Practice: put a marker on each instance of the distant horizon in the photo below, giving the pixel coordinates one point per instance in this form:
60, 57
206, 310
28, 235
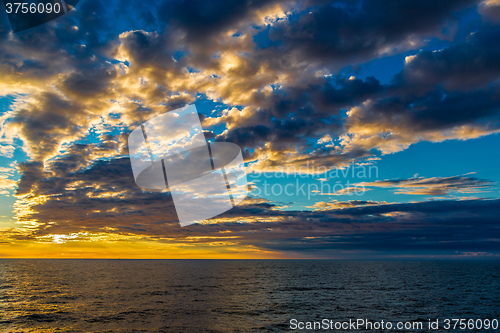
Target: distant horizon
450, 258
345, 259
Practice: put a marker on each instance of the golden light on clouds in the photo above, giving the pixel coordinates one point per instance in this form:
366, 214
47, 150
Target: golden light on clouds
86, 245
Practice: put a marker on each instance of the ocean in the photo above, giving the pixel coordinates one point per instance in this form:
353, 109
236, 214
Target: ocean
241, 295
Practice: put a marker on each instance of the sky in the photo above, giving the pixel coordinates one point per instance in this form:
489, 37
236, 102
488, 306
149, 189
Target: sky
369, 129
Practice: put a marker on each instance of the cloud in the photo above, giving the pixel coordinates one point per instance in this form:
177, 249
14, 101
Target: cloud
435, 186
201, 21
101, 197
453, 93
462, 66
369, 228
7, 184
349, 32
335, 204
490, 9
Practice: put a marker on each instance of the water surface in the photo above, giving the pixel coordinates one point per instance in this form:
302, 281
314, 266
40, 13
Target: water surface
237, 296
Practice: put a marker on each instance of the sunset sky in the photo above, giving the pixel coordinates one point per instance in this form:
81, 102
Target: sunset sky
398, 101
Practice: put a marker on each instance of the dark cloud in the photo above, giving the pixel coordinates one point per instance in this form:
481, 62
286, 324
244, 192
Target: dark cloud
290, 115
435, 185
347, 31
46, 120
491, 10
102, 197
146, 49
436, 110
419, 229
464, 66
202, 19
452, 93
431, 99
31, 172
434, 227
91, 83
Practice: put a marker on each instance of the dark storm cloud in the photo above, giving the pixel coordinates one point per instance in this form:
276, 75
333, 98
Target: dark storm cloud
348, 31
453, 93
422, 228
437, 110
202, 19
90, 83
464, 66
